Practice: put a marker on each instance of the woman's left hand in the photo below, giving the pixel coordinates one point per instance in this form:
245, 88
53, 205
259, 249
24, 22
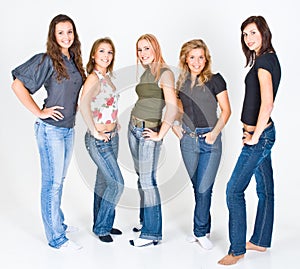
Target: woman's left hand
149, 134
209, 138
248, 139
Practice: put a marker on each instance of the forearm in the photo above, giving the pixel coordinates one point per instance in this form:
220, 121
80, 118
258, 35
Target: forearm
168, 119
25, 98
86, 113
223, 119
262, 121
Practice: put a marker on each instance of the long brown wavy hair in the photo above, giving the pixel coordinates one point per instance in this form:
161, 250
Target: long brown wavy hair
266, 35
186, 48
91, 63
159, 61
54, 50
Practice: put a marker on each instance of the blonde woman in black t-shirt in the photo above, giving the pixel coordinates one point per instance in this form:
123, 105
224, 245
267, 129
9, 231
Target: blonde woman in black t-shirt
201, 93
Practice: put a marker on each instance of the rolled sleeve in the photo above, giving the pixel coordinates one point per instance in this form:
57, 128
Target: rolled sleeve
34, 72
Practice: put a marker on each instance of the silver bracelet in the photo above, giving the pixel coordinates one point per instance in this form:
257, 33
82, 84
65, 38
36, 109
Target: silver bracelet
176, 123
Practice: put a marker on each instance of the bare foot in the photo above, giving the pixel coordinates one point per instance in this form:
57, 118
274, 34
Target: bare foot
251, 246
230, 259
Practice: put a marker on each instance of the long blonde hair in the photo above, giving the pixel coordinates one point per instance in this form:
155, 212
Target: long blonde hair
159, 61
186, 48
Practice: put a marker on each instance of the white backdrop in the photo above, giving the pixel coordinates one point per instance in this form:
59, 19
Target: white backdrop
23, 31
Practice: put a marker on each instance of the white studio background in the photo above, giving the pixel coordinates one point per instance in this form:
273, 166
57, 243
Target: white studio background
23, 31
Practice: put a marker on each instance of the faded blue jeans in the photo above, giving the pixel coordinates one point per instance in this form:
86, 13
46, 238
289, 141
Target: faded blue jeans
202, 162
253, 160
55, 146
109, 183
145, 154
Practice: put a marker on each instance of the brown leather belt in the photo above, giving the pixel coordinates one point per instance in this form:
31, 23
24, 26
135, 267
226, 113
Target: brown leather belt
144, 123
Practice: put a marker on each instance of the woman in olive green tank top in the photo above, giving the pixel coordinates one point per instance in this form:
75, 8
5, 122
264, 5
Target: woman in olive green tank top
147, 128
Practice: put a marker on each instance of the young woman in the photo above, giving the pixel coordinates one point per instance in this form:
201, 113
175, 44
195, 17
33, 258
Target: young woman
146, 131
61, 72
262, 82
99, 108
201, 93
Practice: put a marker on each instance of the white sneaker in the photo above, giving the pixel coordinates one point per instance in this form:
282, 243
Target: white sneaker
205, 242
70, 245
137, 228
140, 242
193, 239
72, 229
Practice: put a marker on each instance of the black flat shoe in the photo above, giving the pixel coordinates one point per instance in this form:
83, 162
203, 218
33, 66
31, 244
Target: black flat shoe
115, 231
106, 238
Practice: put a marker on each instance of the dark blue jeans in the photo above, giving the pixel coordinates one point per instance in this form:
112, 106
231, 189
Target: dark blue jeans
253, 160
201, 161
109, 183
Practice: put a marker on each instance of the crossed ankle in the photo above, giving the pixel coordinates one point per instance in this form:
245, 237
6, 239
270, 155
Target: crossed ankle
251, 246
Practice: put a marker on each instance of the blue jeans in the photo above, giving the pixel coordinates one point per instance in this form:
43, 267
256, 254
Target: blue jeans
55, 147
145, 154
202, 162
253, 160
109, 183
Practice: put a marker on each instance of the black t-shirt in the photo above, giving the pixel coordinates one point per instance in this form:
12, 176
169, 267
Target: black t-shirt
200, 102
252, 98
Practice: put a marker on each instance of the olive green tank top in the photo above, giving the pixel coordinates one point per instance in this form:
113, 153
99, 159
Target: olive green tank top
150, 101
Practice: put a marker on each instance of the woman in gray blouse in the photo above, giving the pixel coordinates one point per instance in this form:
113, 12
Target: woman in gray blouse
60, 72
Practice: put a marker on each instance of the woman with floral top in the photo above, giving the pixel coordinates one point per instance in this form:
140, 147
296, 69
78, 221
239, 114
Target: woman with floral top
99, 108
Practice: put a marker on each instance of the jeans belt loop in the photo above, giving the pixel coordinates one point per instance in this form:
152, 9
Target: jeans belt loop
193, 134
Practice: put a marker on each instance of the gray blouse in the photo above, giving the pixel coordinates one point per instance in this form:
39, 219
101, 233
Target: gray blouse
39, 71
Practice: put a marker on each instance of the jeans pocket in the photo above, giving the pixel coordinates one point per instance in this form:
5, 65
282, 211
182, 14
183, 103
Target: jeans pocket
188, 143
36, 127
103, 146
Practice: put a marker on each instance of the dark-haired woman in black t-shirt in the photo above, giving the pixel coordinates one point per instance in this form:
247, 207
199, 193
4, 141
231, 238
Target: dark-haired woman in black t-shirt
262, 83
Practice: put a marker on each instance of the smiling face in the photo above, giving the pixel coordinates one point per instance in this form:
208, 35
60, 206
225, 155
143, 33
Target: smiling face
196, 61
64, 35
103, 57
145, 52
252, 37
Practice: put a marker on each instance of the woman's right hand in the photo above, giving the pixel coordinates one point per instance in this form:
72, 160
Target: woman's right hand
101, 136
178, 131
52, 112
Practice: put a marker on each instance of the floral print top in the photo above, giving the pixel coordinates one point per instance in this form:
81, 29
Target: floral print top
104, 106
